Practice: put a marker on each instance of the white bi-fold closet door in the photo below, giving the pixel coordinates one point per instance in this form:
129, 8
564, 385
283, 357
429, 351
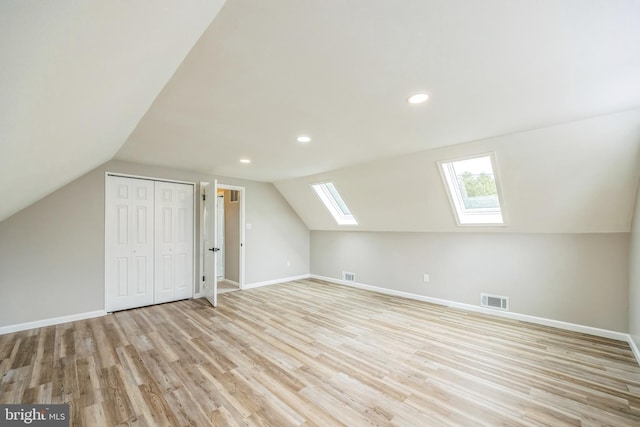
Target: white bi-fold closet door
173, 241
148, 242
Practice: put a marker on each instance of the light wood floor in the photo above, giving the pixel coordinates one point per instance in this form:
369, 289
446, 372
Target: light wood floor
225, 286
312, 353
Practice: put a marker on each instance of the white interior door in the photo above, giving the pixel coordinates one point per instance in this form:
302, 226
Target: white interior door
209, 191
183, 250
128, 243
173, 241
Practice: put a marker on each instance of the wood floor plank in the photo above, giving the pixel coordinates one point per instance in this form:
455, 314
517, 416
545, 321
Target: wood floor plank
185, 408
117, 404
310, 353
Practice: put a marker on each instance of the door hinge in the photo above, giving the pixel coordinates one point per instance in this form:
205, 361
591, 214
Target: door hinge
204, 197
203, 278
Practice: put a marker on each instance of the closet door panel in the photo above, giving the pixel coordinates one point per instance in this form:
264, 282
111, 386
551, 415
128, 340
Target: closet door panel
128, 243
164, 242
174, 241
183, 249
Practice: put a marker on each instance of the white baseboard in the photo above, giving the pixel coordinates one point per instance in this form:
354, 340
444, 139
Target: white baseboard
634, 348
275, 281
51, 321
620, 336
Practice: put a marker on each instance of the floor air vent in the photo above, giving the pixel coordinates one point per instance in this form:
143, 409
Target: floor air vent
494, 301
348, 277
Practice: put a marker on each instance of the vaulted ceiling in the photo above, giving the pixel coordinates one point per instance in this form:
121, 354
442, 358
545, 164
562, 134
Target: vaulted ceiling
84, 86
75, 80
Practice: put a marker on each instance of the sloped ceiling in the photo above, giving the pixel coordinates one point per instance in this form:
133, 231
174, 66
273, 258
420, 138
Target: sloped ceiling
75, 79
577, 177
340, 71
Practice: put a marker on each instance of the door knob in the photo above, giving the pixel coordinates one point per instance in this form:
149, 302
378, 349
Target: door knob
214, 249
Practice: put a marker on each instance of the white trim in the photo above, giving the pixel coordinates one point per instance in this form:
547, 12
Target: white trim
50, 322
605, 333
634, 348
200, 238
194, 249
330, 201
150, 178
476, 219
276, 281
104, 243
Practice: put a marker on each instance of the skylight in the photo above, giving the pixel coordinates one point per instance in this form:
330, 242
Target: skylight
473, 190
334, 203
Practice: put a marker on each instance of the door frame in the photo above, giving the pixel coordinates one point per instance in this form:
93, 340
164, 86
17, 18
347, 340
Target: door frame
148, 178
241, 225
241, 199
220, 235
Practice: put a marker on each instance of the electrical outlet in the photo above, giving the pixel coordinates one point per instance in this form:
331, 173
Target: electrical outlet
426, 278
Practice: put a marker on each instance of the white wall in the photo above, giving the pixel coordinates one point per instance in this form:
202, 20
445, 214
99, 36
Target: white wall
563, 253
77, 78
52, 252
576, 278
578, 177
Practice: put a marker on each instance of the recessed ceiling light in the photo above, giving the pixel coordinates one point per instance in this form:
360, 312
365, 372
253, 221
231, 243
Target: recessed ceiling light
303, 139
246, 161
418, 98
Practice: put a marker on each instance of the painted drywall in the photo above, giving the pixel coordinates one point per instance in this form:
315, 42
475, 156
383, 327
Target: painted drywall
577, 177
52, 252
51, 260
341, 71
576, 278
76, 78
634, 275
231, 238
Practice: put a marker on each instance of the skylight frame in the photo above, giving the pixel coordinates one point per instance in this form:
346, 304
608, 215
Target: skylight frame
334, 202
487, 217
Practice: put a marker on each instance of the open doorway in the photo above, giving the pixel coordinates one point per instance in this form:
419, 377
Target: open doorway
230, 200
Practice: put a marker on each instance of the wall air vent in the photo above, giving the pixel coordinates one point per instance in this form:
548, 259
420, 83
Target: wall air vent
494, 301
348, 277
